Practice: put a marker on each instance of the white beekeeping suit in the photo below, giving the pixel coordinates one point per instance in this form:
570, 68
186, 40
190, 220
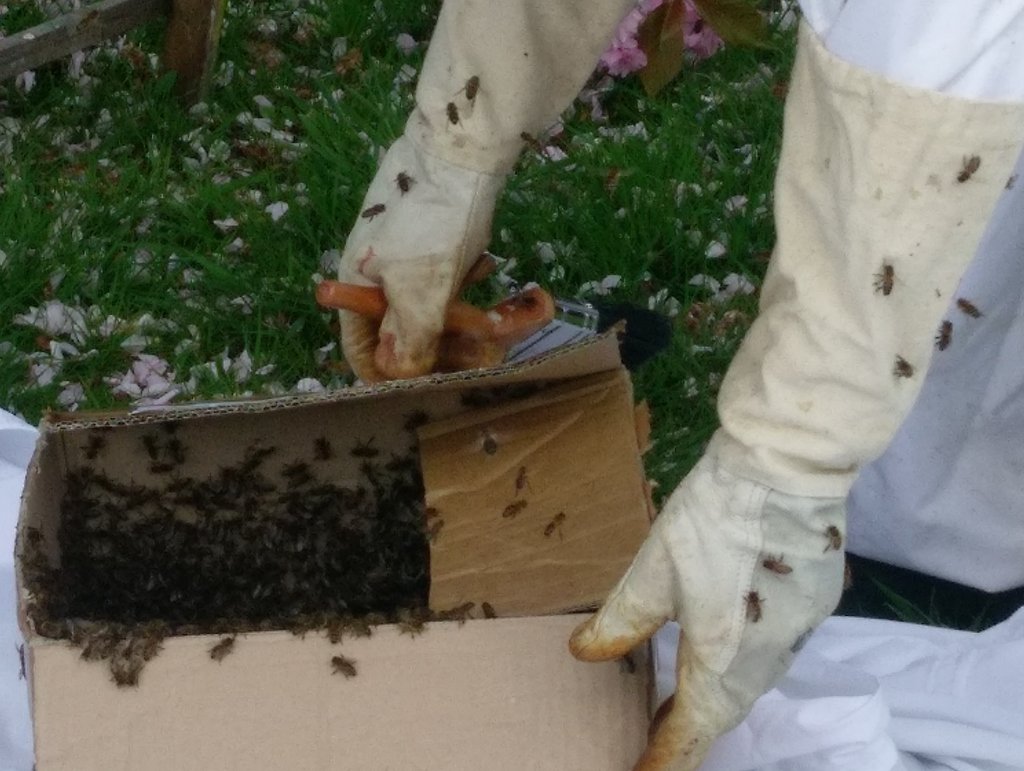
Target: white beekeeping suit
947, 498
900, 138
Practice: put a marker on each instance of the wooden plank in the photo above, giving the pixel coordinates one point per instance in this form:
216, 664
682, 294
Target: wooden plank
73, 31
190, 46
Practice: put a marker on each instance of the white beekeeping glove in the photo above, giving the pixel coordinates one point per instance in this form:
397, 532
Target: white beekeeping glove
494, 71
881, 197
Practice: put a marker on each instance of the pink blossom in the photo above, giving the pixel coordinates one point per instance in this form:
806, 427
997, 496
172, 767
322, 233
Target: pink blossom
149, 380
625, 56
700, 39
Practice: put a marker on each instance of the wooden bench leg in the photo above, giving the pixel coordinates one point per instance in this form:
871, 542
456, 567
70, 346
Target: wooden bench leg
190, 46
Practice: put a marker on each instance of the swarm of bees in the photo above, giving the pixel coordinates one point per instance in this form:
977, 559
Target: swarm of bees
247, 548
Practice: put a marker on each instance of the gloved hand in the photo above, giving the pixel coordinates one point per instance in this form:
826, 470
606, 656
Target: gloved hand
881, 197
494, 72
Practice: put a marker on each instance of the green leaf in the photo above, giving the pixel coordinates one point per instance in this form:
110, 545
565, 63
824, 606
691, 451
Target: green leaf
661, 38
737, 22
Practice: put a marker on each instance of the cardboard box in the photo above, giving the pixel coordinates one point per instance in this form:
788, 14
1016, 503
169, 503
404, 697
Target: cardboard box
556, 432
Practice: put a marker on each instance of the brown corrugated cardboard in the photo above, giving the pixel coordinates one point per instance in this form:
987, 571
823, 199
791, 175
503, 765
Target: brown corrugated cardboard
531, 494
493, 695
489, 694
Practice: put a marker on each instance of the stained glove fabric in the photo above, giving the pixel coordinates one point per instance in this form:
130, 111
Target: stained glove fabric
881, 197
494, 71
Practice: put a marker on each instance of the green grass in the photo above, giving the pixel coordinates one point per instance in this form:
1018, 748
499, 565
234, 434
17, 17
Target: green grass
110, 193
145, 180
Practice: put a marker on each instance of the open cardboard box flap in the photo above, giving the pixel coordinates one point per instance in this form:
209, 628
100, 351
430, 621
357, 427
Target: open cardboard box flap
493, 694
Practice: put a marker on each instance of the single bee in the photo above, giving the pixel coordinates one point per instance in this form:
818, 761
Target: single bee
373, 211
776, 565
512, 509
902, 368
410, 623
521, 480
970, 166
415, 420
472, 86
944, 336
755, 606
453, 113
365, 450
87, 21
488, 443
459, 613
21, 656
322, 449
835, 539
221, 650
404, 182
1011, 182
343, 666
488, 610
176, 450
611, 179
884, 279
94, 446
435, 530
969, 308
532, 142
555, 524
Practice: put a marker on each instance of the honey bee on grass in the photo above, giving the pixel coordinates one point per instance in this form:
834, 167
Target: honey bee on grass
970, 165
884, 279
370, 212
944, 336
835, 539
512, 509
776, 565
902, 368
343, 666
555, 524
755, 606
221, 650
969, 308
